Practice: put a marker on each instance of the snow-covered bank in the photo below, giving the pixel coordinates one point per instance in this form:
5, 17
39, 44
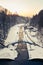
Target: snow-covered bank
8, 53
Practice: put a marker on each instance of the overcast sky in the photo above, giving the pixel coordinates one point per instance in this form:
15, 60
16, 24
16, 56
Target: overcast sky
23, 7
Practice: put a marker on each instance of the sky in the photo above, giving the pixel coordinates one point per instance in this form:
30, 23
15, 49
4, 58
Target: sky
23, 7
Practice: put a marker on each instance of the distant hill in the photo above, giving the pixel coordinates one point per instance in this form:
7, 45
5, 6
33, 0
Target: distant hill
41, 18
8, 20
37, 20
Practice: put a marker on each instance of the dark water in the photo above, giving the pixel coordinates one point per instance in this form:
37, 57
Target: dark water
25, 62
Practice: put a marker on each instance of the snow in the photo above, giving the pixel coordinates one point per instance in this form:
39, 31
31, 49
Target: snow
36, 52
12, 36
10, 52
7, 53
